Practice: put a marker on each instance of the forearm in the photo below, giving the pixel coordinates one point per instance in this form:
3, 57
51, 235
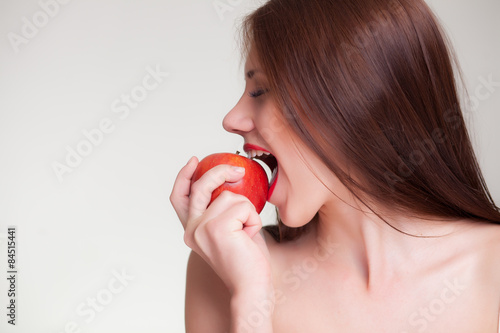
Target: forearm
252, 312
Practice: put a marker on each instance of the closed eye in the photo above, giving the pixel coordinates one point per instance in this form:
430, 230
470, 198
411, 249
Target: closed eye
258, 92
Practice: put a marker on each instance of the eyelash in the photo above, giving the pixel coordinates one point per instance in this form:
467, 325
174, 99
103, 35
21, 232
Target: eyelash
258, 92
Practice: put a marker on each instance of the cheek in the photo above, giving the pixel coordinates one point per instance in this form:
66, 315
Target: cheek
271, 127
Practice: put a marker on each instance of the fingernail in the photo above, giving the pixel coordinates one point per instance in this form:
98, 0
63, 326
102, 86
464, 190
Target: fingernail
238, 169
190, 160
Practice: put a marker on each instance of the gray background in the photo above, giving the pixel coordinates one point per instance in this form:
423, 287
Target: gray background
111, 214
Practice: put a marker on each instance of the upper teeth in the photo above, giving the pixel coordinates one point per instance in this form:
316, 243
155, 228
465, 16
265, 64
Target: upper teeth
254, 153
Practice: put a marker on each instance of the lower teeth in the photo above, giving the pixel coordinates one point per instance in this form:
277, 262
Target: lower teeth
273, 176
270, 174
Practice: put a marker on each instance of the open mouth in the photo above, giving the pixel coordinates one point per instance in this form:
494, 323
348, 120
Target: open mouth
268, 162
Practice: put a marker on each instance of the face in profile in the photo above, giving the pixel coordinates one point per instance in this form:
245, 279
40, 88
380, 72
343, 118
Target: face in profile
297, 190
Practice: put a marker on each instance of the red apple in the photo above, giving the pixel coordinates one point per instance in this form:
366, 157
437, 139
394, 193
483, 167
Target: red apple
254, 184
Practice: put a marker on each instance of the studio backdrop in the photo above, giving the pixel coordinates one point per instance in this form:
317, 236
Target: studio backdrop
101, 103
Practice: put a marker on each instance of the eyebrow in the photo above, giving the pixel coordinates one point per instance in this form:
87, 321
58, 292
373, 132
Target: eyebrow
250, 74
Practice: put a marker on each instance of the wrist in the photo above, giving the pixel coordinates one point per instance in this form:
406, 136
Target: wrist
252, 310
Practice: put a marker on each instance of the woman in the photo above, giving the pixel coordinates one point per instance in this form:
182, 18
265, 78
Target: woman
386, 223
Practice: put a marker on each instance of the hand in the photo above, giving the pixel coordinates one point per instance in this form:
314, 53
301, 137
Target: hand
226, 233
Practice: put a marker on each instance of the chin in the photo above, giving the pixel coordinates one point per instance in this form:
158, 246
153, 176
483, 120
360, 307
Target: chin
294, 219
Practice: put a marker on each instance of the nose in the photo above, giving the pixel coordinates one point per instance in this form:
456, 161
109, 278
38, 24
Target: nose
239, 119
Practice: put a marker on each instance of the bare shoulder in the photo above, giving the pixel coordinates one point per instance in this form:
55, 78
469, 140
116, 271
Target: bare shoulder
484, 235
488, 234
207, 298
481, 242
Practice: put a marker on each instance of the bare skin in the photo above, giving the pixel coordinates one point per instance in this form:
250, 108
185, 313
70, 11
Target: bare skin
351, 272
448, 284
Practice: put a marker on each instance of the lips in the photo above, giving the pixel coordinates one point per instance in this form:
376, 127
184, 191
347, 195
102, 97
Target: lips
258, 153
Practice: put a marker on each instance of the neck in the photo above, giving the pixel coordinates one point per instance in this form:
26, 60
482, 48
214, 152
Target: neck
372, 248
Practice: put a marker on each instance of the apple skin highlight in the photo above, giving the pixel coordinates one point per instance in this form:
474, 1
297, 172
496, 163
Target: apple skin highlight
254, 185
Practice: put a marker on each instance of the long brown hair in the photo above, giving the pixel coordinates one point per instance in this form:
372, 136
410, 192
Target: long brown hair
373, 81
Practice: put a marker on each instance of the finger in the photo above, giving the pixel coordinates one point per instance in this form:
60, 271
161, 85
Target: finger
181, 189
240, 215
201, 190
238, 206
227, 215
224, 202
253, 224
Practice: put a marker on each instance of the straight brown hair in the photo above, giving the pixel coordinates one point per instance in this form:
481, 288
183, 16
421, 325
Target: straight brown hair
373, 81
